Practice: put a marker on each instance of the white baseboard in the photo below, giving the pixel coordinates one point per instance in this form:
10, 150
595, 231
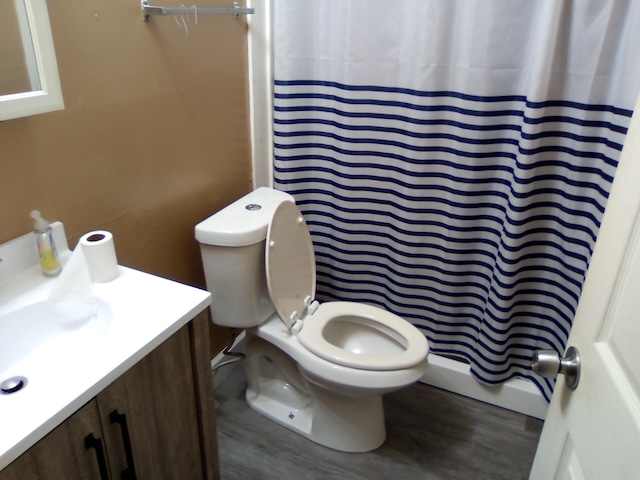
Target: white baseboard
517, 394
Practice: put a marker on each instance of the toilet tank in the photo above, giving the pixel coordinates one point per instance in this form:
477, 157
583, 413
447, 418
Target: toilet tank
232, 245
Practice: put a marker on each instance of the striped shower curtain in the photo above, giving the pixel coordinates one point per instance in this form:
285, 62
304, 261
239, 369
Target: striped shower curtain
453, 159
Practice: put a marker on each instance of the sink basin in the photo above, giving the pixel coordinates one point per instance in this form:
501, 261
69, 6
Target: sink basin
33, 336
35, 342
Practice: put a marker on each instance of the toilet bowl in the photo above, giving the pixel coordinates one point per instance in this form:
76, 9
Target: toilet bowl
317, 369
355, 380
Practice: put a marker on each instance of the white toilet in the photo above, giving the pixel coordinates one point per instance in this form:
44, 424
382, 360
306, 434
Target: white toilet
318, 369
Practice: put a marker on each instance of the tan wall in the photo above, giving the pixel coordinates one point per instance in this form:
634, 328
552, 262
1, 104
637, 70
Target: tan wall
153, 138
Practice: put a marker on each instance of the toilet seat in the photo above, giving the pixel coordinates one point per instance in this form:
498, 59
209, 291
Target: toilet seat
393, 343
405, 345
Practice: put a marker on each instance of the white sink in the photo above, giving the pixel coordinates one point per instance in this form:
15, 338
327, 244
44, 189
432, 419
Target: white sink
33, 338
65, 364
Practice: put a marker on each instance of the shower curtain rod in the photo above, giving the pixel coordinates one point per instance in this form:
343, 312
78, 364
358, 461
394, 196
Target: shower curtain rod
148, 10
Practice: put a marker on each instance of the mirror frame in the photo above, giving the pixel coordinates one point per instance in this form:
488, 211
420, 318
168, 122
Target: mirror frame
49, 97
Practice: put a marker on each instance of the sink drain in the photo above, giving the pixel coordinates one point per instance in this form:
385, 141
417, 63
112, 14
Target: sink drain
13, 384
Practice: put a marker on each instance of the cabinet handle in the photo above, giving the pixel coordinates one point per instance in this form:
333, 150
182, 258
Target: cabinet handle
92, 442
128, 473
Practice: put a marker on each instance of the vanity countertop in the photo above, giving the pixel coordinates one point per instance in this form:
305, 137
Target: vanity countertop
137, 312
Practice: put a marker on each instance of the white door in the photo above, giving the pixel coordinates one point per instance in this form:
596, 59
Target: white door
593, 432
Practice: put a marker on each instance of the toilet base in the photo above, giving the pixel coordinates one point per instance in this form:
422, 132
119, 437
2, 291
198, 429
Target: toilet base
277, 390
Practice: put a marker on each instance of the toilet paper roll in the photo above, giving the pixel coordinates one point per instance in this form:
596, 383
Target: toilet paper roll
100, 254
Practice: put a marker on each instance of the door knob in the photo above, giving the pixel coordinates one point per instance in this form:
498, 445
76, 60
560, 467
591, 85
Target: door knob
548, 364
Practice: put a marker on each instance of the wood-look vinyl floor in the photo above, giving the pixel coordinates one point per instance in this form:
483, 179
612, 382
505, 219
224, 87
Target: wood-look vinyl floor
431, 434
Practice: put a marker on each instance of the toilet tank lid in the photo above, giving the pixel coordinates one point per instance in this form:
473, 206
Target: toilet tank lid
244, 222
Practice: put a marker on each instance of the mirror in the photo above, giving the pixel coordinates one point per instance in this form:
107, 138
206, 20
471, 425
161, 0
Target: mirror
29, 81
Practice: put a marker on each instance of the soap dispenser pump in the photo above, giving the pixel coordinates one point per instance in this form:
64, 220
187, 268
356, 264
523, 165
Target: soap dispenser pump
49, 261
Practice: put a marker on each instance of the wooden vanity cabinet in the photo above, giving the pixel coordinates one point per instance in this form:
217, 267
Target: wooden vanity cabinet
154, 422
62, 454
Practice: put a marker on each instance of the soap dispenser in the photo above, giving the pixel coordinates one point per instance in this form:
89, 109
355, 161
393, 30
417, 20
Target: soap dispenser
49, 260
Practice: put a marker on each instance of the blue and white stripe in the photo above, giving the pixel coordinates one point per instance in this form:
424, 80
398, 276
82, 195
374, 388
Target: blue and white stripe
472, 217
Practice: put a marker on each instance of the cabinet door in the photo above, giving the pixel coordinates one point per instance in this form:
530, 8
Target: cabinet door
150, 418
63, 454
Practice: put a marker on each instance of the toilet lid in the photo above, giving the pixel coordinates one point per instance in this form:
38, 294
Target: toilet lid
290, 263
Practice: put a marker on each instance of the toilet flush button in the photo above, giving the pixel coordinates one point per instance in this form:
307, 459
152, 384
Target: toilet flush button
252, 207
